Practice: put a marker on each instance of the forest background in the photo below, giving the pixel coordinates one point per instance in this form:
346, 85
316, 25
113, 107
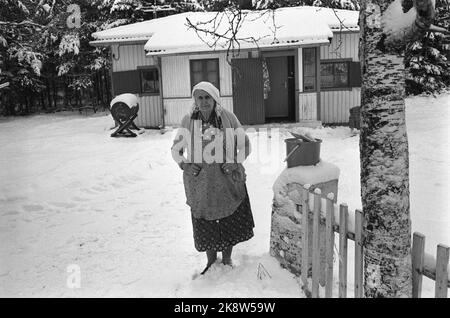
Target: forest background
49, 66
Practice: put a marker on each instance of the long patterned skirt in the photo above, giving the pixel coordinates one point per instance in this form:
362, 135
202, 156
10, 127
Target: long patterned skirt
220, 234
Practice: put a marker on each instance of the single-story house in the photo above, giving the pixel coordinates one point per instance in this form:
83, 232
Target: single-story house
296, 64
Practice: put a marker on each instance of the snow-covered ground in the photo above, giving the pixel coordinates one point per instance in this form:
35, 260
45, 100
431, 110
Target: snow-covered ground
74, 200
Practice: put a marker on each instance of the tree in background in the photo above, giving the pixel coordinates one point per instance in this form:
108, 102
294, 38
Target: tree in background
427, 60
28, 60
21, 56
221, 5
60, 58
32, 64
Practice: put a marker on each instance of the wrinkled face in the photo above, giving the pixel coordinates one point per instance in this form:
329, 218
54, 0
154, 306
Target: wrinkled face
203, 100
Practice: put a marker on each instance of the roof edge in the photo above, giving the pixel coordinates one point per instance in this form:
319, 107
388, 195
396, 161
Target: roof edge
118, 41
245, 49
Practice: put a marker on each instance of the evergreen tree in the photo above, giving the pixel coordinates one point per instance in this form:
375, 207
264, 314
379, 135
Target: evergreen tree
427, 60
20, 54
335, 4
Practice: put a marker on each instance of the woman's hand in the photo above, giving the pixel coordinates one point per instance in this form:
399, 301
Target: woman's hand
191, 168
228, 168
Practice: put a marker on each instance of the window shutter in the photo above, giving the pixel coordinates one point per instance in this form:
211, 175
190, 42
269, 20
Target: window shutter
354, 74
126, 82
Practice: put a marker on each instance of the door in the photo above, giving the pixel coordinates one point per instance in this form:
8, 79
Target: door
277, 102
248, 94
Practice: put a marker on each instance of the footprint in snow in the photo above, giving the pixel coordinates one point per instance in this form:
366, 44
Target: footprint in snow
32, 207
10, 213
99, 189
75, 184
12, 199
63, 204
79, 199
87, 191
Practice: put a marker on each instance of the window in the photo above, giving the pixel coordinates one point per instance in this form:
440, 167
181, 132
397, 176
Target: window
309, 69
149, 81
205, 70
334, 74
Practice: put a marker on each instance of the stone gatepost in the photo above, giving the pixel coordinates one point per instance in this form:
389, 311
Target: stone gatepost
286, 225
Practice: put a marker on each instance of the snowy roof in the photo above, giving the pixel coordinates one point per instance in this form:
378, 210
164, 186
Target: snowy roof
135, 31
293, 26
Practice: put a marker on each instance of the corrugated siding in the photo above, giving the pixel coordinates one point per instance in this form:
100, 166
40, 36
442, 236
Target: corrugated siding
335, 105
131, 56
307, 106
149, 114
175, 76
177, 108
343, 45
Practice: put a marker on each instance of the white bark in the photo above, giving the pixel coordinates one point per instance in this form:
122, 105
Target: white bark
385, 28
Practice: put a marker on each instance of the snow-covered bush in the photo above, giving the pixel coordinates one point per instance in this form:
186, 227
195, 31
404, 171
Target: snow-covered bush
70, 44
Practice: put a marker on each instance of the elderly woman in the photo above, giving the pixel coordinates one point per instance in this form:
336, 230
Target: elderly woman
214, 177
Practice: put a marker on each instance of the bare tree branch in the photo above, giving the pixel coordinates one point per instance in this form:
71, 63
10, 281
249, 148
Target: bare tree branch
234, 19
26, 22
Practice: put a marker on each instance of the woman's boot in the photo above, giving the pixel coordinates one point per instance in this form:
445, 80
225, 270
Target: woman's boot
212, 257
226, 256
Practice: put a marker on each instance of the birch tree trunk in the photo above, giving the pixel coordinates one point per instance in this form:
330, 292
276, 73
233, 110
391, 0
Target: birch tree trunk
384, 144
384, 162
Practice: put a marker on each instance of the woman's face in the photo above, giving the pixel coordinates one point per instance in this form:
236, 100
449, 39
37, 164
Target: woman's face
203, 100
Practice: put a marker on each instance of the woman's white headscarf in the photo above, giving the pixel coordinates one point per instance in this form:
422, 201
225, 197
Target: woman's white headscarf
230, 131
212, 91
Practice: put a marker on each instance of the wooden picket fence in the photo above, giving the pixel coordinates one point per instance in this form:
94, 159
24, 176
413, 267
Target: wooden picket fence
423, 264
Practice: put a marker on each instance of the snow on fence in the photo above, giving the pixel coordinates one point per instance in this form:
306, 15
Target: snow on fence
337, 220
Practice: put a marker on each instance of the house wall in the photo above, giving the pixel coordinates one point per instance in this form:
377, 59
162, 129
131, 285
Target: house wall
335, 105
150, 114
343, 45
331, 106
130, 57
176, 83
176, 86
307, 106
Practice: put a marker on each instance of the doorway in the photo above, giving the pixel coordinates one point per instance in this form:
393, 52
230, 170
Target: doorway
279, 91
248, 102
